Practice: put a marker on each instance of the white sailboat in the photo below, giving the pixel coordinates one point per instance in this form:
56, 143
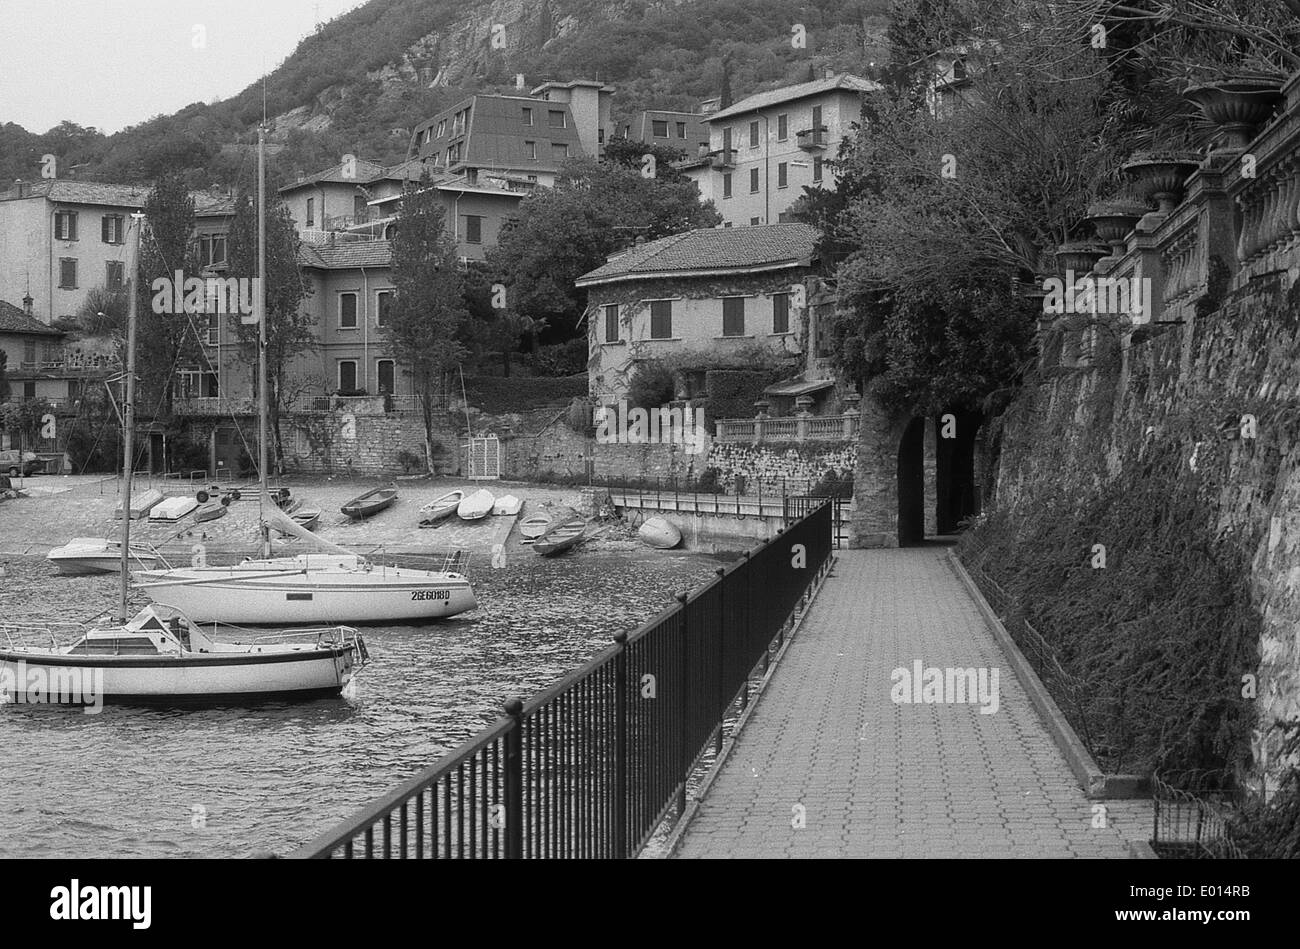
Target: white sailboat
161, 657
309, 588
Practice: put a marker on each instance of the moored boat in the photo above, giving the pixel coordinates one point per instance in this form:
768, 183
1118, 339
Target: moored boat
83, 556
562, 535
507, 506
656, 532
370, 503
141, 504
159, 657
477, 506
440, 509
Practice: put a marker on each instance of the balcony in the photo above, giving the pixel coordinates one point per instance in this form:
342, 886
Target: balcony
723, 158
811, 140
214, 407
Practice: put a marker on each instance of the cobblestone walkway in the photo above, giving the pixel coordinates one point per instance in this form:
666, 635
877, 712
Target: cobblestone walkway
827, 746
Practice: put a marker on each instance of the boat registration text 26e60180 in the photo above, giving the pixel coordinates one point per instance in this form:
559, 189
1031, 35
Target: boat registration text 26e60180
431, 595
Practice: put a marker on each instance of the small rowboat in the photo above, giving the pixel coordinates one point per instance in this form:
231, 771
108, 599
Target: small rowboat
507, 506
440, 509
659, 534
477, 506
560, 536
173, 509
288, 505
534, 525
212, 510
142, 504
370, 503
306, 517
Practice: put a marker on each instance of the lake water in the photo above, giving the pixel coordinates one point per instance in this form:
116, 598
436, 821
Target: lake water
134, 782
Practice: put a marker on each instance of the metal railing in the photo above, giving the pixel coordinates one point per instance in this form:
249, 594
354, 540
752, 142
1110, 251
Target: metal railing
1191, 822
594, 765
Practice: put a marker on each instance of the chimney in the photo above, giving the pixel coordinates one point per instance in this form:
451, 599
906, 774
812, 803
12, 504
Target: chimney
28, 303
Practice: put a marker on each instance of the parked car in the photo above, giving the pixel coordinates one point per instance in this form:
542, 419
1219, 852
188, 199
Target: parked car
23, 464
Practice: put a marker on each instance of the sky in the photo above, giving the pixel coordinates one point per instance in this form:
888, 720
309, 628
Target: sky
108, 64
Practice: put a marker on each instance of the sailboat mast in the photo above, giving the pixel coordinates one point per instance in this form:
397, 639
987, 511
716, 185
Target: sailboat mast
262, 466
128, 418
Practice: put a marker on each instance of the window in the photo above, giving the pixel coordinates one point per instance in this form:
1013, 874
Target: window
212, 250
611, 323
442, 130
783, 175
559, 151
29, 352
360, 207
753, 135
530, 149
782, 127
29, 390
733, 316
681, 129
348, 312
383, 304
726, 185
114, 274
347, 375
311, 212
555, 118
817, 123
111, 227
473, 229
661, 319
68, 273
528, 115
214, 329
817, 168
780, 313
726, 143
386, 376
753, 221
659, 128
726, 224
753, 181
65, 225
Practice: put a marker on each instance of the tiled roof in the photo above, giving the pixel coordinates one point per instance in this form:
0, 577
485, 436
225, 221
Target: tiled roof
366, 171
85, 192
763, 100
14, 320
711, 249
345, 255
208, 203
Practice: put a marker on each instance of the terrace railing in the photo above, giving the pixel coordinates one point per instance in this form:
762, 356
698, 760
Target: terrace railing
597, 763
823, 428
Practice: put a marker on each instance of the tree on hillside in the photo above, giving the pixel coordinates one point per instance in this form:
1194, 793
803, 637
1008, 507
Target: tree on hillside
563, 232
289, 327
164, 340
630, 154
103, 312
428, 311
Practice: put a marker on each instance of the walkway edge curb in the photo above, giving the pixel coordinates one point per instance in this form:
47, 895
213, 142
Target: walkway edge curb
1096, 784
692, 808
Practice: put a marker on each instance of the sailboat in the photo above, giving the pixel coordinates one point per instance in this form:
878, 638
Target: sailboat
160, 656
333, 586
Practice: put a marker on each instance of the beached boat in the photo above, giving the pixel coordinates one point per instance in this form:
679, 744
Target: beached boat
83, 556
212, 510
507, 506
370, 503
658, 533
141, 504
306, 517
477, 506
561, 535
440, 509
172, 509
534, 525
159, 657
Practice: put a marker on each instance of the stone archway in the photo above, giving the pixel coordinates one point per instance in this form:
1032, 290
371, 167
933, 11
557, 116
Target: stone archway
911, 482
957, 494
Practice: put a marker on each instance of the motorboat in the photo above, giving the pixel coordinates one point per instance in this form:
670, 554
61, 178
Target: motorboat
439, 509
507, 506
370, 503
161, 657
83, 556
656, 532
477, 506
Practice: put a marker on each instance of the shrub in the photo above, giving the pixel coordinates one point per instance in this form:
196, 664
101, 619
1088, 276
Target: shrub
653, 386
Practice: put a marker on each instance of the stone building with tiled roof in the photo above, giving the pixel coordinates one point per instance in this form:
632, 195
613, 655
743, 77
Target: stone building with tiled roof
721, 295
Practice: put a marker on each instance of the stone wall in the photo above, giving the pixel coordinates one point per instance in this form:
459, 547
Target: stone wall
1224, 390
351, 442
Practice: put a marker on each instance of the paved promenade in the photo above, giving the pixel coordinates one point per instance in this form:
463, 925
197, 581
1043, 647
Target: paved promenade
826, 745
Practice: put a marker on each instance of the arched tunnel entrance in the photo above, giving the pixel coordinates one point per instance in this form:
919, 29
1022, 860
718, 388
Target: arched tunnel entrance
954, 492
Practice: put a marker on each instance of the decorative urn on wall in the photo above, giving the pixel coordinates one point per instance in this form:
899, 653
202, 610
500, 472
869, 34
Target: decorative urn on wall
1079, 257
1237, 106
1158, 175
1113, 219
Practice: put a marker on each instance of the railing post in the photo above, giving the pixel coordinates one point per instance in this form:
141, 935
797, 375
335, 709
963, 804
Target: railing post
620, 746
683, 709
514, 782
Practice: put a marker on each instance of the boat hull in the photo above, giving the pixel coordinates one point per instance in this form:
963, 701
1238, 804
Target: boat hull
206, 679
659, 534
384, 595
370, 504
80, 560
477, 506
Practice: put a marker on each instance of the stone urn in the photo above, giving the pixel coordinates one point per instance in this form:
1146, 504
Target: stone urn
1079, 257
762, 405
1237, 105
1159, 175
1112, 220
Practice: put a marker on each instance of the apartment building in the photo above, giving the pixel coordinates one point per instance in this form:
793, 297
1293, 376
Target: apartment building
688, 131
766, 148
